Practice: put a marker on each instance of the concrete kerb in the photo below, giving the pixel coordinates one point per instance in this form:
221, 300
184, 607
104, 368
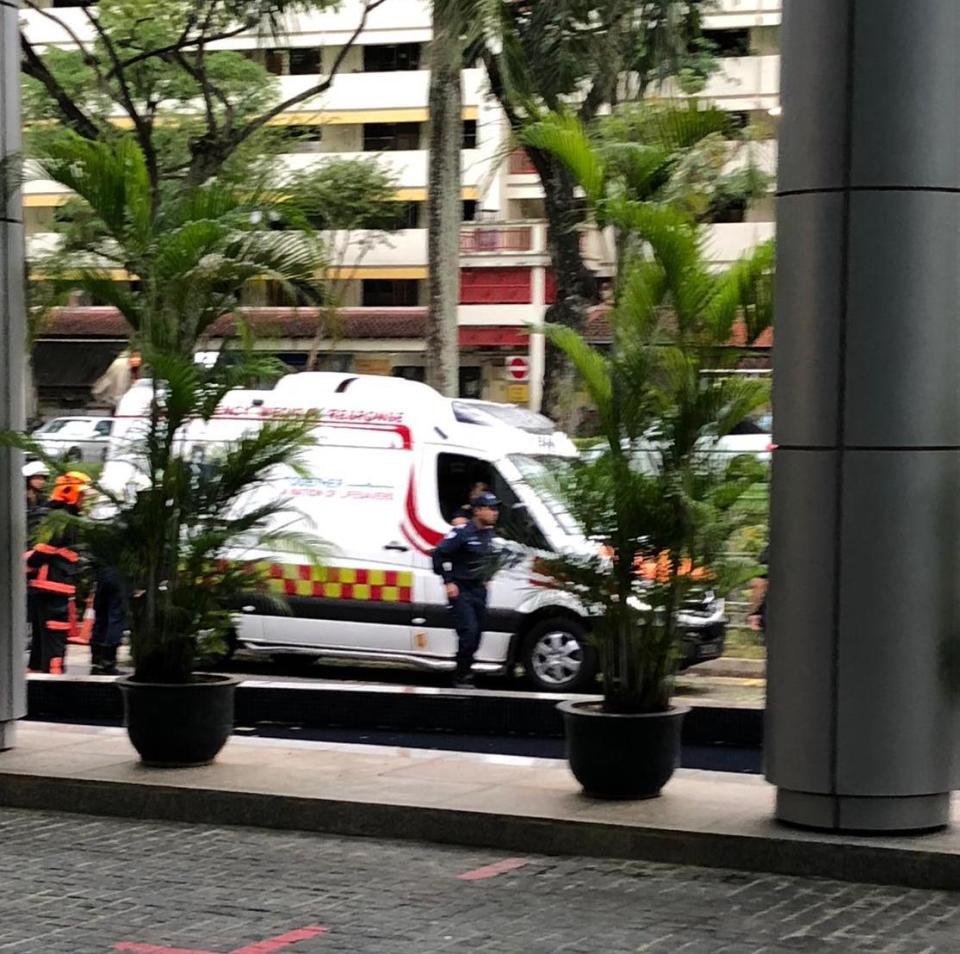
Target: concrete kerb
775, 850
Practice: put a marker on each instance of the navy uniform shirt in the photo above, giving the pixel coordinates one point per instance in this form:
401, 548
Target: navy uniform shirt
464, 554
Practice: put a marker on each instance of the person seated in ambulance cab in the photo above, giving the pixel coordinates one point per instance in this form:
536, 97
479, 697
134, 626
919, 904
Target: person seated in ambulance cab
465, 513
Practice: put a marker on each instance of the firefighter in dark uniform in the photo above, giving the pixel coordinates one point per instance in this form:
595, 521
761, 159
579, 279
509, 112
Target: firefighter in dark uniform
463, 558
52, 571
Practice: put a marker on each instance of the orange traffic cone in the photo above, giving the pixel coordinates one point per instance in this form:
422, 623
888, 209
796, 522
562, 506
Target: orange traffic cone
81, 631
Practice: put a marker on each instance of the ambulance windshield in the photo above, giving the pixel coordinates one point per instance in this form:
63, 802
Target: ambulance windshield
543, 475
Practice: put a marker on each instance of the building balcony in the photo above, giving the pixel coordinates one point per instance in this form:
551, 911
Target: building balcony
520, 164
745, 83
734, 14
482, 239
393, 97
727, 242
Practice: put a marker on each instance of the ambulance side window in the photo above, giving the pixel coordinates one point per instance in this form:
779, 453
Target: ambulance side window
456, 475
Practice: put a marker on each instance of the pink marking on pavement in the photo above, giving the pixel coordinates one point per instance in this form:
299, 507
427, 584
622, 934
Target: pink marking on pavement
491, 871
283, 940
154, 949
259, 947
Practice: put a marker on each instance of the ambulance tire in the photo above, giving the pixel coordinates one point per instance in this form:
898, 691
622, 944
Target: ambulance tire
557, 657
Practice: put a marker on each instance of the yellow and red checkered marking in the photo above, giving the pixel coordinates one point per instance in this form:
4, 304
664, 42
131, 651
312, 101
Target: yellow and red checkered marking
339, 583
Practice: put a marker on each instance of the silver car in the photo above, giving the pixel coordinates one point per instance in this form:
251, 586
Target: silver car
75, 438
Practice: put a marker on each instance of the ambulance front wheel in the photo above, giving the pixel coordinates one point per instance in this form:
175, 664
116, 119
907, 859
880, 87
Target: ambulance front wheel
557, 657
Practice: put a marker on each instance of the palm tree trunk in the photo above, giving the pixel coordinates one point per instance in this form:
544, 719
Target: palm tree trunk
443, 242
576, 286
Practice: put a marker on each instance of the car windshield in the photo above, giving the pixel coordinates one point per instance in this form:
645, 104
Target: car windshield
539, 473
51, 427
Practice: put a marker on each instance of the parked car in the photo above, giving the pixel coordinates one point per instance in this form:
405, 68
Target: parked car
748, 437
75, 438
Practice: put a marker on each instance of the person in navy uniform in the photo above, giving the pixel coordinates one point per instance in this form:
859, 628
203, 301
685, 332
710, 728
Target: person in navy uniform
464, 559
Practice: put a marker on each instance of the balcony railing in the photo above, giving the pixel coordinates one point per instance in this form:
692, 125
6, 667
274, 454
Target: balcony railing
502, 238
520, 164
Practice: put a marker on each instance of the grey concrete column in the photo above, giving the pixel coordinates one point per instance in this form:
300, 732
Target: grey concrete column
864, 609
12, 344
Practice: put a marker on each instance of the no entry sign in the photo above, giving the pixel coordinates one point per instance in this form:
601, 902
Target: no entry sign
518, 368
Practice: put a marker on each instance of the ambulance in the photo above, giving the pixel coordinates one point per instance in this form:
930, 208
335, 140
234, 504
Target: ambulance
391, 463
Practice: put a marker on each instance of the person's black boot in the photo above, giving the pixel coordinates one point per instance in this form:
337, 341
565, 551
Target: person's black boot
96, 659
108, 661
463, 680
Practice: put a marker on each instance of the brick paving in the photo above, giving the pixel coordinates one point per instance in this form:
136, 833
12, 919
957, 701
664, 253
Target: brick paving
84, 885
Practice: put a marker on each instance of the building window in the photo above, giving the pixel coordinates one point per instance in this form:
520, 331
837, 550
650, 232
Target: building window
391, 57
390, 292
470, 140
305, 61
469, 210
275, 61
391, 137
471, 382
410, 372
495, 286
728, 42
728, 209
408, 215
303, 138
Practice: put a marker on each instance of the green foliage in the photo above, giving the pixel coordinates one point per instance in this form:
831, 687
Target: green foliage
653, 489
171, 528
189, 256
687, 156
347, 195
156, 72
551, 55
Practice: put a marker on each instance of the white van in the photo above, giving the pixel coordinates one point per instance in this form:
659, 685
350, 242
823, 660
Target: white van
392, 463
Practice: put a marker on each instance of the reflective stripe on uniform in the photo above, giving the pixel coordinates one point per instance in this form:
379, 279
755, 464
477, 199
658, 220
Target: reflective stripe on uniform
48, 586
71, 556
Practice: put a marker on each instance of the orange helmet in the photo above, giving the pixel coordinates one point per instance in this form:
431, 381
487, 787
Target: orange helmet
68, 488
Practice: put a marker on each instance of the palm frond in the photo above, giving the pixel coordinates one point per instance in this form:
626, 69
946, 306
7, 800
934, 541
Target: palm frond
565, 137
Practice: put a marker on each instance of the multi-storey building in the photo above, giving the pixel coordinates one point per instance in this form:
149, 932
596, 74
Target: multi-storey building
377, 107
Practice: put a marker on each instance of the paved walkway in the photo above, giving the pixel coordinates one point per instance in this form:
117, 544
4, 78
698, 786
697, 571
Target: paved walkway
509, 803
82, 885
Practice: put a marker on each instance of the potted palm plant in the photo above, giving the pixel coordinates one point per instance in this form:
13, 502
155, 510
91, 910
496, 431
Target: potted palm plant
655, 493
172, 529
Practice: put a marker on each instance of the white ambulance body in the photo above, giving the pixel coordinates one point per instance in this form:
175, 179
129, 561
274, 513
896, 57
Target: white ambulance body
392, 463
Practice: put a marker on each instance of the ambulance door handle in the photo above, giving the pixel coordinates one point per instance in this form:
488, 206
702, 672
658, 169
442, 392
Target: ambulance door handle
399, 547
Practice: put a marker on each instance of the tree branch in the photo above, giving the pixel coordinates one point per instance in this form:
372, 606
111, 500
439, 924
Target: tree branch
200, 76
143, 127
499, 89
183, 42
88, 57
247, 131
73, 115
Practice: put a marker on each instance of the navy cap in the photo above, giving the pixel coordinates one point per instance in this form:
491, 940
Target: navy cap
486, 499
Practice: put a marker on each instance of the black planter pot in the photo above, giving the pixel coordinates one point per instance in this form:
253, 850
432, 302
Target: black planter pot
179, 725
614, 755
